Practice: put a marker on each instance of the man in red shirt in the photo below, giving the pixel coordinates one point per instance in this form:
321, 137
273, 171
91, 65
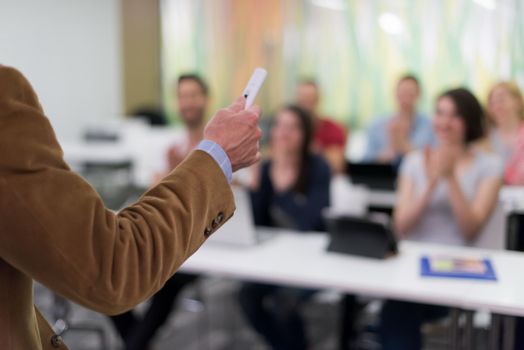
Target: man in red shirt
330, 137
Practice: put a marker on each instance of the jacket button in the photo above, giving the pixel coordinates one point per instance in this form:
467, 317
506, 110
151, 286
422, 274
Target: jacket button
56, 341
219, 218
207, 232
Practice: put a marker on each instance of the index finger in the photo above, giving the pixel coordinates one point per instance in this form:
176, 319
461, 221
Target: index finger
238, 105
255, 110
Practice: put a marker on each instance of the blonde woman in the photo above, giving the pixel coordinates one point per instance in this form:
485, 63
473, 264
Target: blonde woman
506, 113
506, 136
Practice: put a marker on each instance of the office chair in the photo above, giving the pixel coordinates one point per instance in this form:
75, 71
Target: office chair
63, 323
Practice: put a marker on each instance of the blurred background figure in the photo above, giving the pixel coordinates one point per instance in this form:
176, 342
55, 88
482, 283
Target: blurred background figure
506, 131
445, 196
292, 190
406, 129
137, 332
191, 99
329, 138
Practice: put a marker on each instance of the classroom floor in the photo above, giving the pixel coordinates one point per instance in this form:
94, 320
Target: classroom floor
214, 324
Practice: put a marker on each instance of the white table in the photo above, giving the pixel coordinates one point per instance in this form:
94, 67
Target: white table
301, 260
145, 147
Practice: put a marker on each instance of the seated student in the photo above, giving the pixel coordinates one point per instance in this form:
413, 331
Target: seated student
506, 135
506, 107
445, 196
292, 190
138, 332
405, 130
329, 138
192, 94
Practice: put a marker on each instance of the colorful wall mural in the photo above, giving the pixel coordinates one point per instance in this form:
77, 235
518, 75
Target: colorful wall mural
355, 49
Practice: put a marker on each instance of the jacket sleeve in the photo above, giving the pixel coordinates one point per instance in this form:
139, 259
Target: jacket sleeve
55, 228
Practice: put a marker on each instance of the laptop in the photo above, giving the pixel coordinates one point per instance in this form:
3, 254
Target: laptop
366, 237
375, 176
240, 229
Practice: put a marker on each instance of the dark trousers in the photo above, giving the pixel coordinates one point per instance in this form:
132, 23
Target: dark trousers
519, 334
273, 311
401, 322
137, 332
348, 316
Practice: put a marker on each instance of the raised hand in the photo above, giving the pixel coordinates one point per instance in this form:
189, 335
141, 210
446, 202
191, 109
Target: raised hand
236, 131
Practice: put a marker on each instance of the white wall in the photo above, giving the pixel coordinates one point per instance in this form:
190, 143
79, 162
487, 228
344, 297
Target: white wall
70, 51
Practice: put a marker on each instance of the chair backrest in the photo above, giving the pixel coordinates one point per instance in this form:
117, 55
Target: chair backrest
515, 229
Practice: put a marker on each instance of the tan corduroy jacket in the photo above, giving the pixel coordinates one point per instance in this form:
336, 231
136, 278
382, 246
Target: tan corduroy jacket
55, 229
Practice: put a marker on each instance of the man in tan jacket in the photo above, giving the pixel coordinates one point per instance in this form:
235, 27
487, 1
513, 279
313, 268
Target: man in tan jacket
55, 229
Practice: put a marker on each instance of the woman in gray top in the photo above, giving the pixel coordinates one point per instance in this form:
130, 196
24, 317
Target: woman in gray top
445, 196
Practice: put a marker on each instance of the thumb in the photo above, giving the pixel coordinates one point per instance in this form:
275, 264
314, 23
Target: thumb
238, 105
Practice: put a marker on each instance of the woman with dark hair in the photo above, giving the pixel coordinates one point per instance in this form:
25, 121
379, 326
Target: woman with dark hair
445, 196
292, 190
